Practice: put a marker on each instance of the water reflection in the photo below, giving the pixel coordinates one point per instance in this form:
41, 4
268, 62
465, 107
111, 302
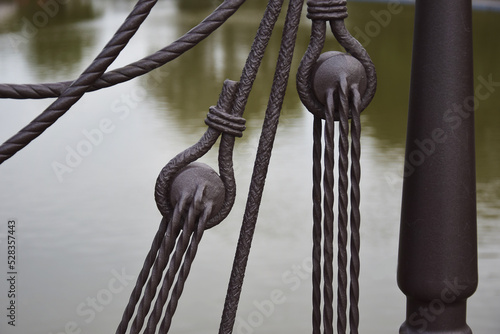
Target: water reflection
193, 81
50, 33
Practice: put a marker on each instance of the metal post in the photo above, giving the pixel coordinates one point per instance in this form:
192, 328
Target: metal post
437, 265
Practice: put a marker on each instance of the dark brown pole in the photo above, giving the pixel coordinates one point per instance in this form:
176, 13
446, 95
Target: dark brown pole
437, 265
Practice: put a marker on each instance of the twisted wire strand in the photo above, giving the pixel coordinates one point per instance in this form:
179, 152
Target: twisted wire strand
328, 201
184, 271
78, 88
159, 266
211, 23
142, 278
342, 206
317, 219
355, 214
188, 226
262, 161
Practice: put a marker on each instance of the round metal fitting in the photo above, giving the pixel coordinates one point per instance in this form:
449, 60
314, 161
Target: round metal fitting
331, 69
198, 182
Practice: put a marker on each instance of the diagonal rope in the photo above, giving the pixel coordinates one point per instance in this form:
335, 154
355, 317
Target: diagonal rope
78, 88
262, 160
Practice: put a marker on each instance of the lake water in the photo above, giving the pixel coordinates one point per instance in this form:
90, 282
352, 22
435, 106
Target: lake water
82, 235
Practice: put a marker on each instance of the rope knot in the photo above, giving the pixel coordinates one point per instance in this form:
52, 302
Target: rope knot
219, 116
326, 10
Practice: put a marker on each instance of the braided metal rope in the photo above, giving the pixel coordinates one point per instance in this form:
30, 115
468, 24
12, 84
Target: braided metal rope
135, 69
261, 163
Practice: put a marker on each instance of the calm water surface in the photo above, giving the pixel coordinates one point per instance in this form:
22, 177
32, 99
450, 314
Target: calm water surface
83, 233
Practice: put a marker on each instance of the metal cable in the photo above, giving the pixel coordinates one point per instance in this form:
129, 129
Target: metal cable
317, 220
262, 160
78, 88
135, 69
342, 205
355, 214
328, 223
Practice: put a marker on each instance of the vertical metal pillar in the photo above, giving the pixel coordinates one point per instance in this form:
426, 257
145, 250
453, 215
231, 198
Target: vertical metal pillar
437, 265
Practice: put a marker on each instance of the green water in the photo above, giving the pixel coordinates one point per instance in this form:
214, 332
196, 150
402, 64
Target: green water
78, 229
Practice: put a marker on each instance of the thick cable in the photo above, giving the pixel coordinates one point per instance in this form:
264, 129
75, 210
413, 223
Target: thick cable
355, 212
262, 161
328, 223
78, 88
211, 23
342, 206
317, 220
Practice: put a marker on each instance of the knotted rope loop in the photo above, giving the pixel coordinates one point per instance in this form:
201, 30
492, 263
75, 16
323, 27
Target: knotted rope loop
219, 121
326, 10
224, 122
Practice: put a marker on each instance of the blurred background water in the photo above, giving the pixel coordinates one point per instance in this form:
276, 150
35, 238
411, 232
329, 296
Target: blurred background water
83, 233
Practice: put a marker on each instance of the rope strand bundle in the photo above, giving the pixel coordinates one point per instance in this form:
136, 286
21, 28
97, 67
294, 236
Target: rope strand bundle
335, 87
